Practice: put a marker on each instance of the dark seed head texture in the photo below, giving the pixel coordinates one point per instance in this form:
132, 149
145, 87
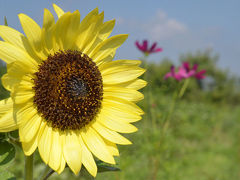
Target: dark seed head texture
68, 90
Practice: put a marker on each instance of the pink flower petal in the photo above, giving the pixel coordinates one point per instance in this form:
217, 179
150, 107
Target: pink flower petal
145, 45
168, 75
152, 47
200, 75
191, 73
178, 77
195, 66
139, 46
158, 50
172, 69
182, 72
171, 73
186, 66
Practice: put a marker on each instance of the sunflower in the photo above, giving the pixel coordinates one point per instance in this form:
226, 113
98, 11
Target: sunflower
68, 97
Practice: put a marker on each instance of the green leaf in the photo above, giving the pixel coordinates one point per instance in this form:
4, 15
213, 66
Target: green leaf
5, 21
14, 134
5, 175
7, 152
2, 136
104, 167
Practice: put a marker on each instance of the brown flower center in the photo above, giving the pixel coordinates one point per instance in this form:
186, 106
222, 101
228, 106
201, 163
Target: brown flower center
68, 90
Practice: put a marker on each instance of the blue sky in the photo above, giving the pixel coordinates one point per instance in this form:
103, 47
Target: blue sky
178, 26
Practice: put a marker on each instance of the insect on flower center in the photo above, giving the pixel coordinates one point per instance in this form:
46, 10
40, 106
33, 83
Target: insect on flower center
77, 88
68, 90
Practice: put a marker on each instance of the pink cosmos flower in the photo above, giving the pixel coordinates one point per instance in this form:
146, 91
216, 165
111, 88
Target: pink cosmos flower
146, 49
193, 72
185, 72
173, 74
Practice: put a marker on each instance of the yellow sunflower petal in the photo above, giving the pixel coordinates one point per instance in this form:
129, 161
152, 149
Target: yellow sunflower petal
56, 151
27, 82
110, 135
48, 19
114, 124
121, 74
32, 31
58, 10
72, 152
61, 28
22, 94
71, 33
8, 82
122, 114
112, 147
87, 159
10, 53
105, 30
22, 98
123, 105
123, 62
7, 123
12, 36
86, 30
107, 59
30, 147
88, 18
29, 129
96, 145
47, 31
124, 93
22, 111
93, 33
17, 39
135, 84
45, 143
107, 47
48, 40
62, 165
16, 74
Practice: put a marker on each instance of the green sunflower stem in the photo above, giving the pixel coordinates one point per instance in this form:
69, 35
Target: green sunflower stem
29, 167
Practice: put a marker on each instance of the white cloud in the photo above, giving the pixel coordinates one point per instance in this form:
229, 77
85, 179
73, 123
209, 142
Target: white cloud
162, 27
158, 27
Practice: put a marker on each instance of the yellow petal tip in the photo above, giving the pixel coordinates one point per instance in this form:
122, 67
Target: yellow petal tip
20, 15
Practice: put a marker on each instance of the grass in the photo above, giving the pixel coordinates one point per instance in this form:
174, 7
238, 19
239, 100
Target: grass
201, 143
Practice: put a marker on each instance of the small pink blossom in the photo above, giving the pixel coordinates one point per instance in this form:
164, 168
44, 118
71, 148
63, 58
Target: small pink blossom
193, 72
144, 47
184, 72
154, 105
173, 74
199, 75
